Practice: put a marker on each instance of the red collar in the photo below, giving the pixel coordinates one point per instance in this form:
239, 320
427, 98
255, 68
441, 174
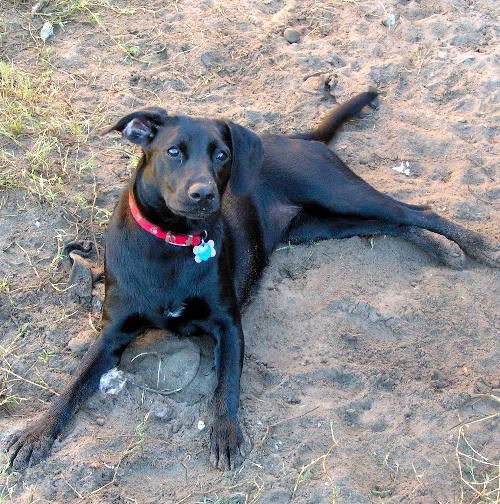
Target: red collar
177, 239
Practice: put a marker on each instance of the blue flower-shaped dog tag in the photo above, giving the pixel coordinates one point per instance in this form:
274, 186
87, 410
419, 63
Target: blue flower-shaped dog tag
204, 251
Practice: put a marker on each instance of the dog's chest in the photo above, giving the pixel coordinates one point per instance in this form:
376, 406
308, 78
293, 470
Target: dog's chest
179, 295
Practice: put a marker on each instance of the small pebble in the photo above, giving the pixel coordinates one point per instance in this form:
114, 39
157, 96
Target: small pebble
389, 21
80, 343
442, 54
47, 31
291, 35
201, 425
100, 421
162, 411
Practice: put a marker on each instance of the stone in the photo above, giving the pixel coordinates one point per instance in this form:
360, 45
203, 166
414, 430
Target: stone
389, 21
80, 281
80, 343
291, 35
47, 31
162, 411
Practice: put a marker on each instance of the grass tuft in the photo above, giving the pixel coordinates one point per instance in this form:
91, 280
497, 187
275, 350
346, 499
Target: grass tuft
479, 475
40, 134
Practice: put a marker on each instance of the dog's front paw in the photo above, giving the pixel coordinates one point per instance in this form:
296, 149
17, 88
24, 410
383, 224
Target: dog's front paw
227, 443
28, 447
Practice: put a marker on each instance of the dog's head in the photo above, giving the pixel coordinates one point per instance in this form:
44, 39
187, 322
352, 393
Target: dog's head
191, 161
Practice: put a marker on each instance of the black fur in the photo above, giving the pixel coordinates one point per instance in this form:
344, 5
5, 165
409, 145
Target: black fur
265, 191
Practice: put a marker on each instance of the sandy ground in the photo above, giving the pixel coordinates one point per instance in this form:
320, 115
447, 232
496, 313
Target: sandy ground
370, 370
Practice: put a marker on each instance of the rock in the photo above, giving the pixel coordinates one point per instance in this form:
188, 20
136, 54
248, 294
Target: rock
292, 36
112, 382
80, 343
100, 421
80, 281
47, 31
162, 411
389, 21
253, 118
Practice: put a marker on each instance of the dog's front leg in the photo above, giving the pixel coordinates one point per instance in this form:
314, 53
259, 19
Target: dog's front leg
226, 439
30, 446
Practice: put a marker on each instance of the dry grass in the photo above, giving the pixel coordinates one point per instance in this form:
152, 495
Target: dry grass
306, 469
40, 134
479, 475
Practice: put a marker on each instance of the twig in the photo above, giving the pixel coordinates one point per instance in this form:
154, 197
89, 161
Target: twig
29, 260
269, 427
5, 370
73, 488
154, 391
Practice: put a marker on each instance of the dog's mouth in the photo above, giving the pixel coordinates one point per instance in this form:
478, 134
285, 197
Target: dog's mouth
196, 214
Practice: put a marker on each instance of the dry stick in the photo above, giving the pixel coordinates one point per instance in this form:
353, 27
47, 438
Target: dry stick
468, 483
465, 422
159, 392
29, 260
127, 452
73, 488
269, 427
5, 370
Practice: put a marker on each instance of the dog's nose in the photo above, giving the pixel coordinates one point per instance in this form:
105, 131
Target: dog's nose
201, 193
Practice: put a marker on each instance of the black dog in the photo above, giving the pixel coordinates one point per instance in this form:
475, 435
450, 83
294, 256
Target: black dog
230, 198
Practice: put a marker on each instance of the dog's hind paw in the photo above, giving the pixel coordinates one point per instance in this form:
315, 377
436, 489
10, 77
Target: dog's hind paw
228, 446
483, 251
28, 447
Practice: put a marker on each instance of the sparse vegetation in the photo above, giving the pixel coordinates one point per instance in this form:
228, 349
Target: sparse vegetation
479, 475
40, 134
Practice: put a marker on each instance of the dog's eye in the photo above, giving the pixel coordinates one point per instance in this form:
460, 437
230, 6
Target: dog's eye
173, 152
221, 156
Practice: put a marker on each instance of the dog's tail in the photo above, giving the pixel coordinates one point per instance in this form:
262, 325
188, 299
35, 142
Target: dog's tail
334, 120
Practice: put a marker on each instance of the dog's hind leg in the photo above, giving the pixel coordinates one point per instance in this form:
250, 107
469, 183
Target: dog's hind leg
28, 447
307, 228
337, 189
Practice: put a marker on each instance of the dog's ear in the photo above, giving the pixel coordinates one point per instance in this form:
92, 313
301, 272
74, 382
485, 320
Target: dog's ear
246, 153
141, 127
